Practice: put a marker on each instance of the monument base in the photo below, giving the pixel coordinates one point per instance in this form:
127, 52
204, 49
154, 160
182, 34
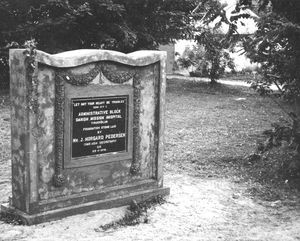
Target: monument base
31, 219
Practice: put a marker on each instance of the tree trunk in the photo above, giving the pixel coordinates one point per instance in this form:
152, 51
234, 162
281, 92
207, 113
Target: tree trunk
214, 70
213, 81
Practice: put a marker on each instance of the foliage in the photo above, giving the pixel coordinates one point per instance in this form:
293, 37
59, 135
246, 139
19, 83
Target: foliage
207, 63
214, 41
276, 47
191, 57
11, 219
116, 24
277, 158
137, 213
61, 25
216, 57
4, 74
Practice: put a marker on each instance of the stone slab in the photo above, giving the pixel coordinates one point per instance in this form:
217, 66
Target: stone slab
47, 176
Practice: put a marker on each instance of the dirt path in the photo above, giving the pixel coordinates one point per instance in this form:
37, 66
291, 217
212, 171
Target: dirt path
197, 209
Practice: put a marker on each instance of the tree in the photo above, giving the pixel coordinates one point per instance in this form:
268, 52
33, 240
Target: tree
216, 57
276, 47
207, 60
189, 58
210, 56
124, 25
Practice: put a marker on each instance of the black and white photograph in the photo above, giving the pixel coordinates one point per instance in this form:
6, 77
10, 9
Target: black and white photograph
150, 120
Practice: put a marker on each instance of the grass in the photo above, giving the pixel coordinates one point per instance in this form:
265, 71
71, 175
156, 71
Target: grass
212, 123
239, 76
211, 131
11, 219
137, 213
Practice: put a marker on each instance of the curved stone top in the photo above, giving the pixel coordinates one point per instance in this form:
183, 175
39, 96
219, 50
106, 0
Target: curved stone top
84, 56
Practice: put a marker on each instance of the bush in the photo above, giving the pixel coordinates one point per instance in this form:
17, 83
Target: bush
4, 75
205, 63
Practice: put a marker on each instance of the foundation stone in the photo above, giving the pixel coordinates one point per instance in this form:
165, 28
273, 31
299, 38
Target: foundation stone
87, 131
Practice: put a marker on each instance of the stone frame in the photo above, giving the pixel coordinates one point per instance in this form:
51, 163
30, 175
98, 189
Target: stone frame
90, 160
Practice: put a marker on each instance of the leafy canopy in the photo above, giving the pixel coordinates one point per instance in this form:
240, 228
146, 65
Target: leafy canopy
211, 55
61, 25
124, 25
276, 46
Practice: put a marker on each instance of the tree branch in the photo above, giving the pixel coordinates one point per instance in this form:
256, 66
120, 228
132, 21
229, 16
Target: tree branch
274, 81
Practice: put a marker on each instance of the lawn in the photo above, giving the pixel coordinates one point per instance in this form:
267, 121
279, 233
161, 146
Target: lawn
212, 130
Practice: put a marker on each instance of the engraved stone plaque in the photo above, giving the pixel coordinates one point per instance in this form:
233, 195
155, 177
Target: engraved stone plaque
99, 125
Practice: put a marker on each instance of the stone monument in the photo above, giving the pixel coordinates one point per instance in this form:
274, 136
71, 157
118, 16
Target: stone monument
87, 131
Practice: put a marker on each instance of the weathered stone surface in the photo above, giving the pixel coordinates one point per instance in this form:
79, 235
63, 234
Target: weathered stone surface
19, 132
40, 121
84, 56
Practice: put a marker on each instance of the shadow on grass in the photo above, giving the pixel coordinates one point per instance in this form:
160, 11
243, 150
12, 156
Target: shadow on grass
175, 85
268, 177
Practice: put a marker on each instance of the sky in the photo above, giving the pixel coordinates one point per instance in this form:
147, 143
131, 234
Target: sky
229, 2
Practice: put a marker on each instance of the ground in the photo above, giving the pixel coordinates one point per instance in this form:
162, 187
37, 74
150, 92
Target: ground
209, 131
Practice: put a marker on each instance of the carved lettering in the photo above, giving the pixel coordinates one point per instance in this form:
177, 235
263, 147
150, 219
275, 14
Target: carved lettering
99, 125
